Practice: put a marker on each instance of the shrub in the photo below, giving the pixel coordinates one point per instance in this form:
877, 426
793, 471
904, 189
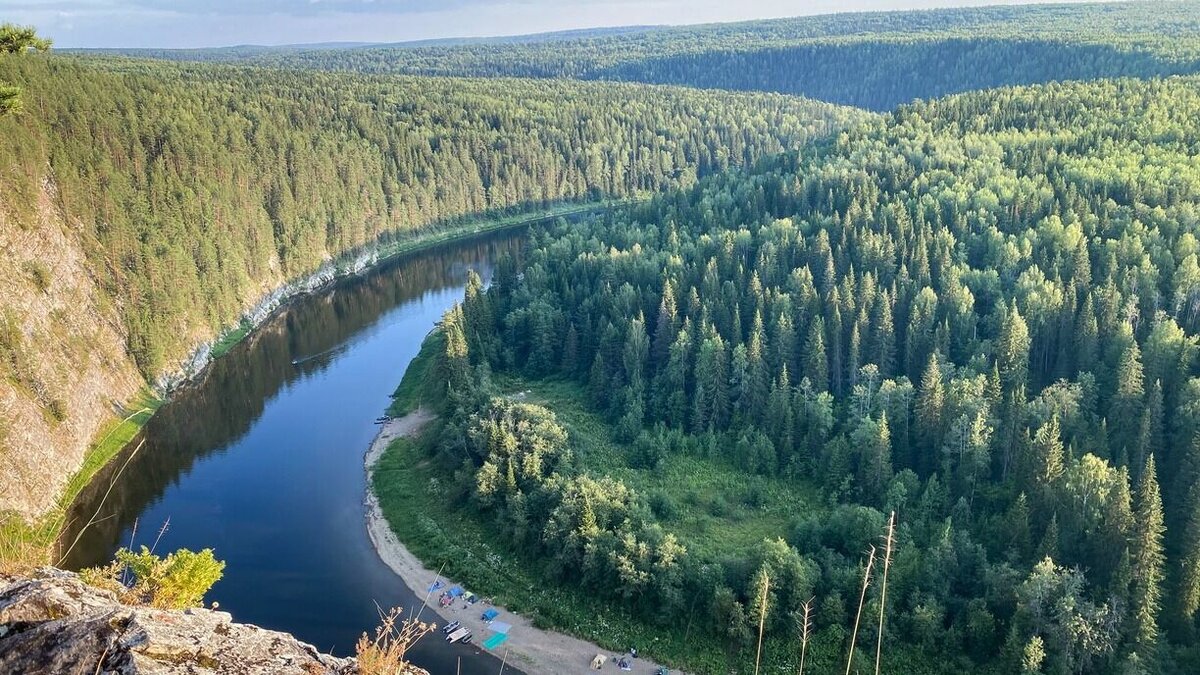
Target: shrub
663, 506
176, 582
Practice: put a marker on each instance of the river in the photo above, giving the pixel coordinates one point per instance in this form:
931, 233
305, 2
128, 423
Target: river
261, 459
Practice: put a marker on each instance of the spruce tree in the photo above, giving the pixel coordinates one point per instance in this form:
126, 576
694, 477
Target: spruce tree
666, 327
1046, 462
816, 363
758, 378
1148, 561
1126, 412
885, 336
931, 402
1188, 593
1087, 336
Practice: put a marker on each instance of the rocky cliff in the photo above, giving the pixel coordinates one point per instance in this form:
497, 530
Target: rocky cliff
53, 623
64, 368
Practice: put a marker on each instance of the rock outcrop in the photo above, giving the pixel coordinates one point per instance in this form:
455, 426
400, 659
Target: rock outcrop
54, 623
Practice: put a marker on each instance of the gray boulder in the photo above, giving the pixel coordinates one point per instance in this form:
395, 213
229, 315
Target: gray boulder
53, 623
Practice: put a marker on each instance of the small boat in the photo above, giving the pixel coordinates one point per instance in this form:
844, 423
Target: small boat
458, 634
467, 640
451, 627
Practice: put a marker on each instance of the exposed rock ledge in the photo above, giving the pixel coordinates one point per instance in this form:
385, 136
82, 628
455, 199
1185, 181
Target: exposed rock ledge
54, 623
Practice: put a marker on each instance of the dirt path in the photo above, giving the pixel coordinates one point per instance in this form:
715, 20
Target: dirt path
533, 650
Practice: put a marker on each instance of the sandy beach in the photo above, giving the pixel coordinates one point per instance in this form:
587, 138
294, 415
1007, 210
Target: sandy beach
533, 650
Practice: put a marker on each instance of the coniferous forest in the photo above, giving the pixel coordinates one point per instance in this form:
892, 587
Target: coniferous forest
870, 60
904, 301
977, 313
203, 186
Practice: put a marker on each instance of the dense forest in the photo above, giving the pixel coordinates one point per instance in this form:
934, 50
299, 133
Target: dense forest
979, 313
871, 60
202, 188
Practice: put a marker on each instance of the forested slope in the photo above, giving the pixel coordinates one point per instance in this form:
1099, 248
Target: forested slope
979, 313
872, 60
188, 193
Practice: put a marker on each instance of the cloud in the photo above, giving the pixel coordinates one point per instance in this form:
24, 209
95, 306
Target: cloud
257, 7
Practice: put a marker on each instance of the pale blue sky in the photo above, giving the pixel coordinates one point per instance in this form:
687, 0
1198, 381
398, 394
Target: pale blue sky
206, 23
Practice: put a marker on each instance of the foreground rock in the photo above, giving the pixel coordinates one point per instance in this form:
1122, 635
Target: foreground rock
54, 623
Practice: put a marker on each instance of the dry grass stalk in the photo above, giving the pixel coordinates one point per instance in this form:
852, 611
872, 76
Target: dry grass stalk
385, 654
858, 615
96, 516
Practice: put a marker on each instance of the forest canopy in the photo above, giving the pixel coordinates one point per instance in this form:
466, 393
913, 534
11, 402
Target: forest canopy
203, 187
979, 313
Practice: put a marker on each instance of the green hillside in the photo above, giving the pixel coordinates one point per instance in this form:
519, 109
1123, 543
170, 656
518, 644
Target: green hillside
201, 188
977, 313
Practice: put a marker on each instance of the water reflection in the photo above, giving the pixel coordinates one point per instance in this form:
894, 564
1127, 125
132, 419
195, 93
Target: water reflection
261, 457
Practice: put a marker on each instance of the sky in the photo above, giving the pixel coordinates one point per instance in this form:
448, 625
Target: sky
211, 23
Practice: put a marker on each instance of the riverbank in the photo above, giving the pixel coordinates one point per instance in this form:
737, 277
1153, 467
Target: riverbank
25, 544
533, 650
367, 258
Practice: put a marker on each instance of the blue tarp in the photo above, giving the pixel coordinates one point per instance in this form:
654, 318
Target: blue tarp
456, 591
490, 614
501, 627
495, 641
436, 585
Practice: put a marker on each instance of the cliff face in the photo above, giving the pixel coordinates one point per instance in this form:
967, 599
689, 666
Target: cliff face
53, 623
64, 368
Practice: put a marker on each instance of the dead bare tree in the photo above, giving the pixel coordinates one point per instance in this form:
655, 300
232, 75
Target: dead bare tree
762, 619
887, 562
805, 632
861, 599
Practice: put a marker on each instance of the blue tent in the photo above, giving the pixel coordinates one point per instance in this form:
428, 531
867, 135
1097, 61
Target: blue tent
490, 614
456, 591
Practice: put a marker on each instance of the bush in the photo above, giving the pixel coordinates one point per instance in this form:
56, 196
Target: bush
176, 582
663, 506
647, 452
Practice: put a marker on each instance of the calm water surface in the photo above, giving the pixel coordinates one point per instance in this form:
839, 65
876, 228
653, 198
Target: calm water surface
262, 459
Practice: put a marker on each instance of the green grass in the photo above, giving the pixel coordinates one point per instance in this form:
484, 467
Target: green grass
111, 440
715, 519
413, 494
718, 509
419, 498
230, 338
24, 544
416, 387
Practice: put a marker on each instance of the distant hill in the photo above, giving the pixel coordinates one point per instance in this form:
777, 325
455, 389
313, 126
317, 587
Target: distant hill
873, 60
268, 52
